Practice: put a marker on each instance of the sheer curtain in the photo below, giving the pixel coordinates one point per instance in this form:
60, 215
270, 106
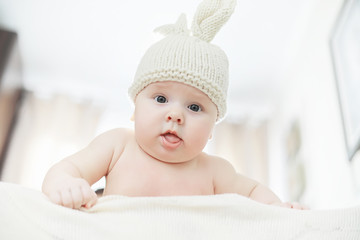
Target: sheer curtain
47, 130
244, 144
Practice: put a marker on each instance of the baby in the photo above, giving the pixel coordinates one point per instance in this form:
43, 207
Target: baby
179, 93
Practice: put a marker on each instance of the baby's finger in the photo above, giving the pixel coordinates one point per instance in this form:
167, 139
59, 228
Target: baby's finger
286, 205
55, 198
303, 207
89, 197
77, 197
91, 203
296, 205
66, 198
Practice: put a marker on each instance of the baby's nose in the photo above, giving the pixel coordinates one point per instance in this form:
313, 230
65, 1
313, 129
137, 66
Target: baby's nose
175, 116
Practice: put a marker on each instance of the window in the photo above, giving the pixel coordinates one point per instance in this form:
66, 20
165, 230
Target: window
345, 48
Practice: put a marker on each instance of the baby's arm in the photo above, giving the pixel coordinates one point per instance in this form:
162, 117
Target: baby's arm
228, 181
64, 185
68, 182
263, 194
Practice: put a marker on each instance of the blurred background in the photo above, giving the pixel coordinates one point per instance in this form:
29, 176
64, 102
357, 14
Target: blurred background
66, 66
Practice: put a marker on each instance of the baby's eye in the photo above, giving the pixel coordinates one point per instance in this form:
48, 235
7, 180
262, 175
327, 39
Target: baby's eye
194, 107
160, 99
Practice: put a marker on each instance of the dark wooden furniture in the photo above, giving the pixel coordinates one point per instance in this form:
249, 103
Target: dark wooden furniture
10, 89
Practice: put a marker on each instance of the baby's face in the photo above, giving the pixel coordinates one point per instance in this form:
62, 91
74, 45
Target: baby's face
173, 121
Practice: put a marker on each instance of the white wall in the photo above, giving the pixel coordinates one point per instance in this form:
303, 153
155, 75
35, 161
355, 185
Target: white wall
75, 46
312, 97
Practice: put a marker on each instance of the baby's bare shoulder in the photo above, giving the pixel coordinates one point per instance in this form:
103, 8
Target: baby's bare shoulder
217, 163
117, 139
111, 142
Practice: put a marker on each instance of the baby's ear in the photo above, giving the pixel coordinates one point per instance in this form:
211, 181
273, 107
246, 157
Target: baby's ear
132, 118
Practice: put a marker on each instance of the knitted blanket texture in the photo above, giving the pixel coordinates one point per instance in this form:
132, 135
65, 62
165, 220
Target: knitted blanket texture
27, 213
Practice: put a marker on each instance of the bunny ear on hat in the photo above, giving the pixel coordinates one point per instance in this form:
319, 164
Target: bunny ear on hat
210, 16
180, 27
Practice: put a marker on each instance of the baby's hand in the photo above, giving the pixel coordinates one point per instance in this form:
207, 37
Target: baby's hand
293, 205
72, 193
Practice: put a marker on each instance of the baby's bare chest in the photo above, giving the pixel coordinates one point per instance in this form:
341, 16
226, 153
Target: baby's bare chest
131, 177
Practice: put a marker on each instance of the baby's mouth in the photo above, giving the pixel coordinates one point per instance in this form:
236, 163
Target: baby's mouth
171, 140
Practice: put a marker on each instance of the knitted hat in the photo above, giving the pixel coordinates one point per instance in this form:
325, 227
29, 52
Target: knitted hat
190, 59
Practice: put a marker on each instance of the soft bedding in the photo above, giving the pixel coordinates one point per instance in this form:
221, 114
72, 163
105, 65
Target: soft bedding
26, 213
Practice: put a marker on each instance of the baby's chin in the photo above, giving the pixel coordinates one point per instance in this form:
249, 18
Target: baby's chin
170, 159
163, 155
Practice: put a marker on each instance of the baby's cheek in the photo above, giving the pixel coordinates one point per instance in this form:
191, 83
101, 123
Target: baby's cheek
199, 137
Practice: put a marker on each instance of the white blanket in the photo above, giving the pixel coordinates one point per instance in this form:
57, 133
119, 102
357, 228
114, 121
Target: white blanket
26, 213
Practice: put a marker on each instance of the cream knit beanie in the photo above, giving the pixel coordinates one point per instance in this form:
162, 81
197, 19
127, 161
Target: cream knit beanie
190, 58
